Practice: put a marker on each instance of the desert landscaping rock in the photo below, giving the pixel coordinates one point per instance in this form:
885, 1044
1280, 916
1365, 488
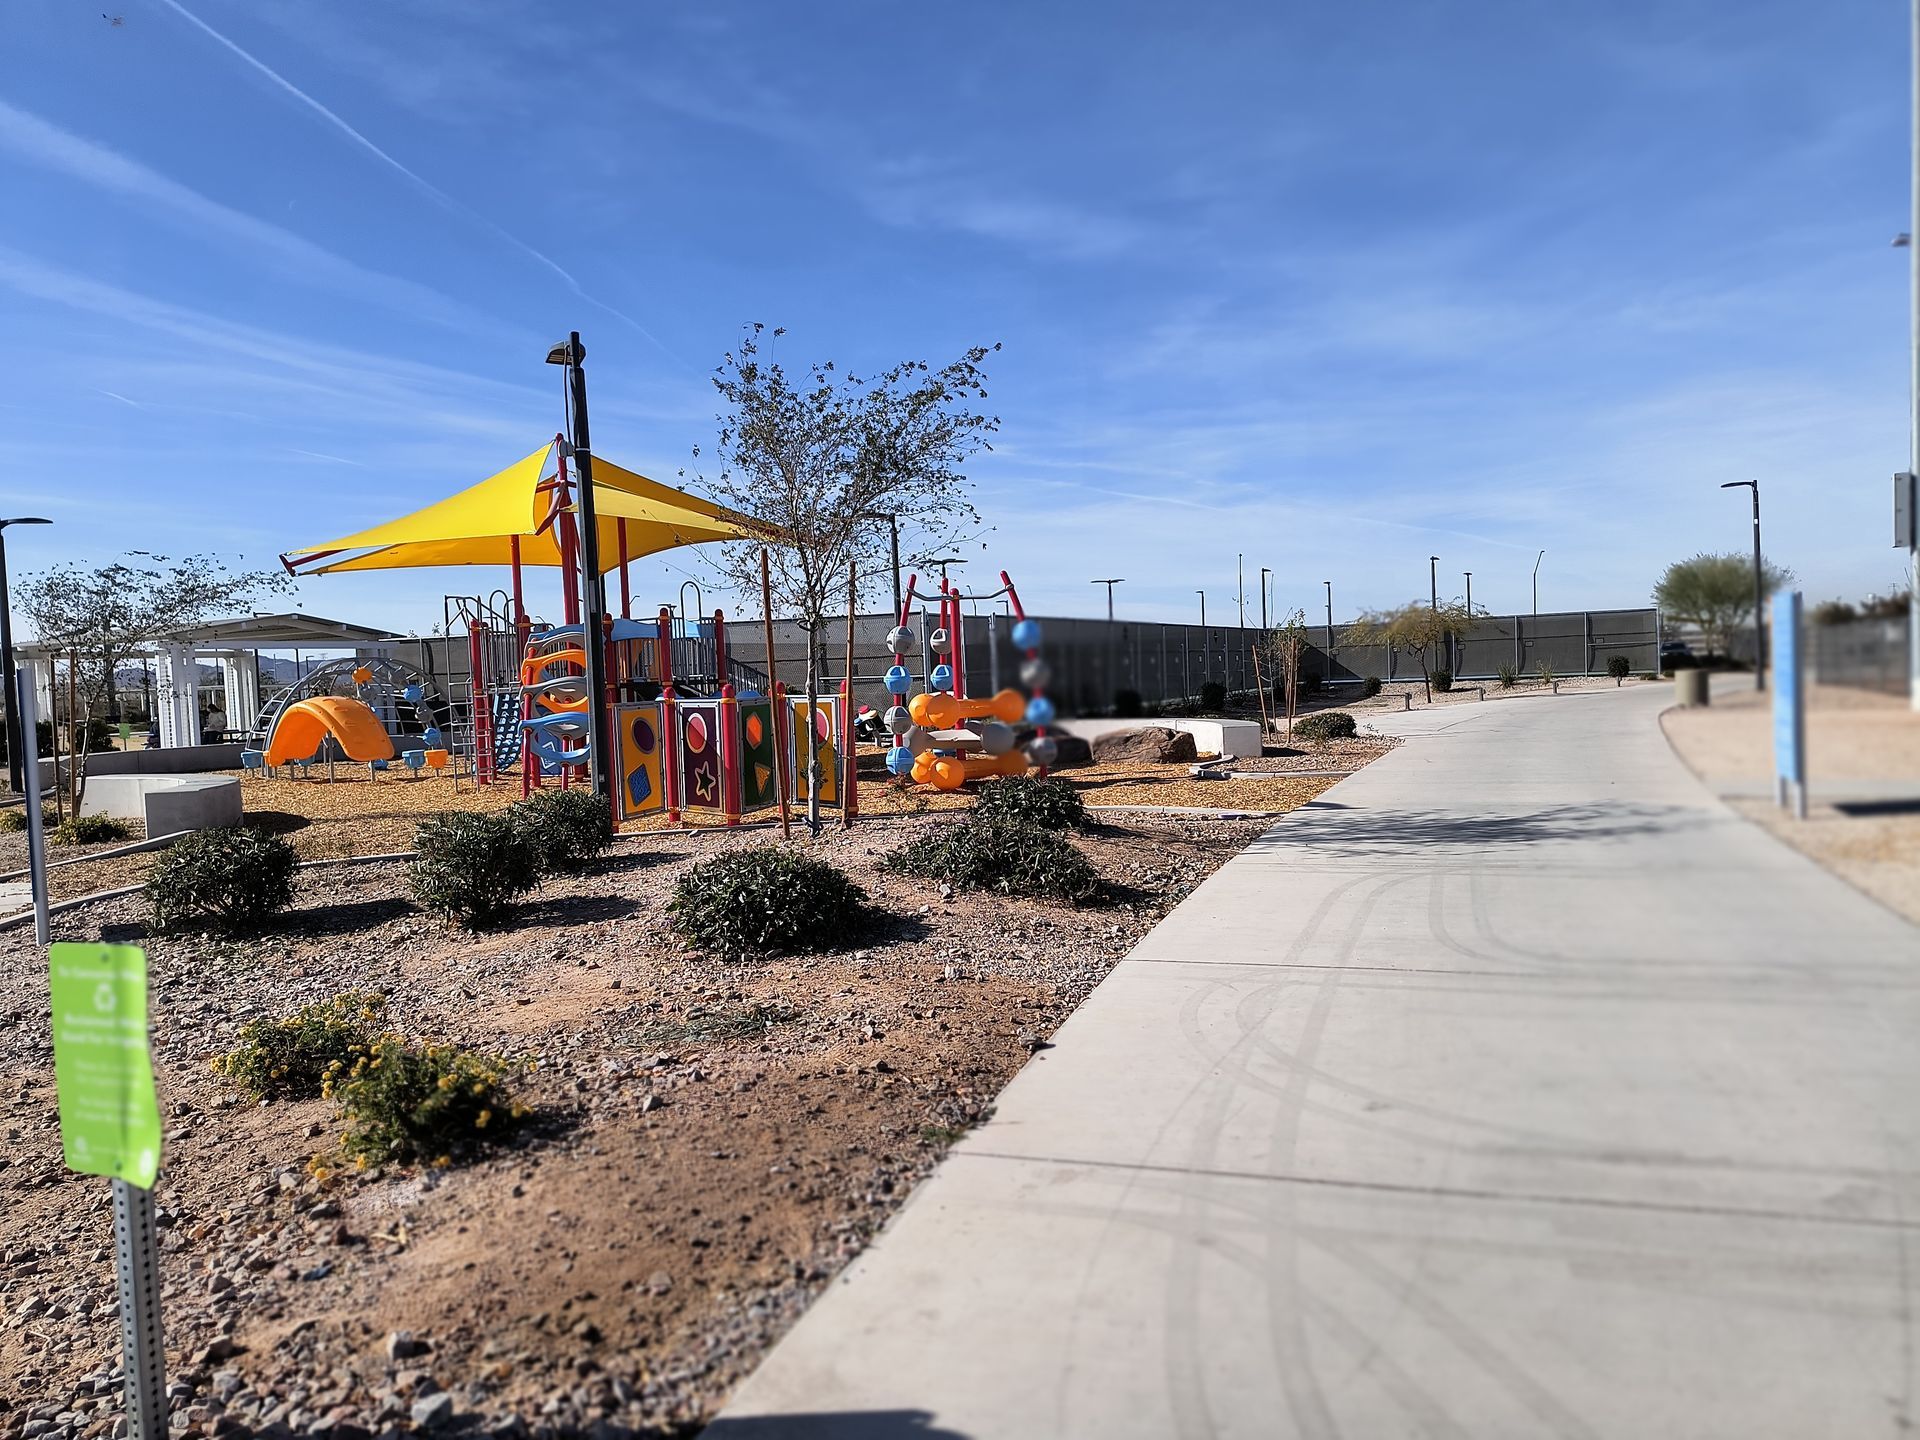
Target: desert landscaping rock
1151, 744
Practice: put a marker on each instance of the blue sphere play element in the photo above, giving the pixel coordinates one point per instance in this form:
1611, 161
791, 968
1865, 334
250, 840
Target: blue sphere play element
942, 677
900, 761
432, 736
1026, 634
899, 680
1039, 711
411, 694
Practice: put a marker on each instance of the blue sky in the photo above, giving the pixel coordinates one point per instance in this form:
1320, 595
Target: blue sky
1336, 286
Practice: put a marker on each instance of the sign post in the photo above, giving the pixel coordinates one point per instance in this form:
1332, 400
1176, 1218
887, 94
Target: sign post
110, 1125
1789, 706
27, 710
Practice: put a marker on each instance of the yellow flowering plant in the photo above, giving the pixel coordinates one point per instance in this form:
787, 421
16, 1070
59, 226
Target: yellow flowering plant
293, 1058
424, 1103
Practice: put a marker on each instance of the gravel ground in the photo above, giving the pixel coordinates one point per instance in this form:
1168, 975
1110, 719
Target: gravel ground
1282, 757
1852, 735
712, 1142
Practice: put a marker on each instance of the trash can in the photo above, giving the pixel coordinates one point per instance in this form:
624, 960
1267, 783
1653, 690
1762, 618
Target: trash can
1690, 687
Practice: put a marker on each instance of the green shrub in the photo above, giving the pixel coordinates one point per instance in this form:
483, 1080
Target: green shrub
1619, 667
1441, 680
231, 879
292, 1059
1509, 677
1369, 687
409, 1103
767, 900
1050, 803
471, 867
566, 828
1546, 672
13, 819
88, 830
1327, 725
1008, 859
1213, 696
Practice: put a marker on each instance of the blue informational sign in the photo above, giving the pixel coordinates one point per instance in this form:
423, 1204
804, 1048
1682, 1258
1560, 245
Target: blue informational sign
1789, 692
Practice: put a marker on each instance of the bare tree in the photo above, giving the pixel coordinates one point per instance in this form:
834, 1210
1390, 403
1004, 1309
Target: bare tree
105, 615
824, 457
1284, 645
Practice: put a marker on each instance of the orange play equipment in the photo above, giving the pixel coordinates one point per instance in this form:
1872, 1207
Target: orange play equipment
299, 729
944, 717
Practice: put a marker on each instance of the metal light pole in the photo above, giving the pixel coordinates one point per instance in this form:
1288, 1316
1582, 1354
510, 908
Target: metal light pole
1469, 594
1264, 573
16, 744
1240, 574
893, 525
1913, 458
1203, 608
1329, 585
1121, 581
1543, 555
572, 354
1433, 580
1759, 588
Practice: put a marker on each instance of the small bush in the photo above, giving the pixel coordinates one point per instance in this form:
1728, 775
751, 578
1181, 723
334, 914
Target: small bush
409, 1103
1441, 680
1128, 705
1327, 725
13, 819
471, 867
1509, 677
566, 828
1619, 667
291, 1059
1546, 673
1008, 859
232, 879
767, 901
1213, 696
87, 830
1051, 804
1369, 687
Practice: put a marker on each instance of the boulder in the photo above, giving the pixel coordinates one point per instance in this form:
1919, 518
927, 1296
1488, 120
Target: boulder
1151, 744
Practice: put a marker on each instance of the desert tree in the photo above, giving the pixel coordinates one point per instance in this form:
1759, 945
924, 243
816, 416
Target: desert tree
1283, 646
1714, 593
104, 615
1416, 627
822, 456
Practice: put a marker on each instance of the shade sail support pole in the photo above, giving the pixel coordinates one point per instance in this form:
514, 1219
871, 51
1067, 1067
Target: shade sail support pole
592, 583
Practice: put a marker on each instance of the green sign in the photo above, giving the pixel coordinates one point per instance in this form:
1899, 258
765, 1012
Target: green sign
109, 1116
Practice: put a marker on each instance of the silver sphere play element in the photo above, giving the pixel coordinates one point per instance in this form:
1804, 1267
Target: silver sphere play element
917, 740
898, 720
900, 640
995, 738
1042, 751
939, 642
1035, 673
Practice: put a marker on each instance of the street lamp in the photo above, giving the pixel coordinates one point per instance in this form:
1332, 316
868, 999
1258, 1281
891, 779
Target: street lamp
1203, 608
1329, 585
1240, 580
571, 356
1110, 584
1433, 580
16, 754
1759, 588
893, 524
1264, 573
1469, 594
1536, 580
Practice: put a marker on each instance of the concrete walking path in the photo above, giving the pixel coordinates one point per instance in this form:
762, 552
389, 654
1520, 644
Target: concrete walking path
1514, 1088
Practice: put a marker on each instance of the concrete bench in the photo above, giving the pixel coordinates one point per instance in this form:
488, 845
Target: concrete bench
167, 804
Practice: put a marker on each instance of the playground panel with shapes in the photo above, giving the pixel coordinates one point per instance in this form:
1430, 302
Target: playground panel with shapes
759, 756
642, 790
821, 730
701, 768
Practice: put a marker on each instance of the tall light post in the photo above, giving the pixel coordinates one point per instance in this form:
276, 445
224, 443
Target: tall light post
1433, 580
1203, 608
1759, 588
1536, 580
572, 355
1913, 337
1329, 585
1469, 575
1264, 573
1110, 584
893, 525
1240, 579
16, 752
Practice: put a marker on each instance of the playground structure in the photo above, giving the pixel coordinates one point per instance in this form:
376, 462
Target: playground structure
946, 738
367, 709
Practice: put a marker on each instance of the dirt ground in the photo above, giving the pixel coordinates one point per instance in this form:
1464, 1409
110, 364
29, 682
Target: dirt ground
1852, 735
711, 1140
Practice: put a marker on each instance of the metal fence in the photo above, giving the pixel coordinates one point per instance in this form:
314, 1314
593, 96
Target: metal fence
1866, 654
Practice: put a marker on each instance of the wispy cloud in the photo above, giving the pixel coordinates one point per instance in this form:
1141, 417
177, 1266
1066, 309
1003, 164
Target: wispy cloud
420, 182
42, 143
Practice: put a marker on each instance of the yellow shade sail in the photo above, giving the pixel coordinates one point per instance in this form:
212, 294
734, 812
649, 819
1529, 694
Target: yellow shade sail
479, 525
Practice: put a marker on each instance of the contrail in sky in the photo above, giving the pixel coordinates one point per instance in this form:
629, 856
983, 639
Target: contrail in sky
439, 196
